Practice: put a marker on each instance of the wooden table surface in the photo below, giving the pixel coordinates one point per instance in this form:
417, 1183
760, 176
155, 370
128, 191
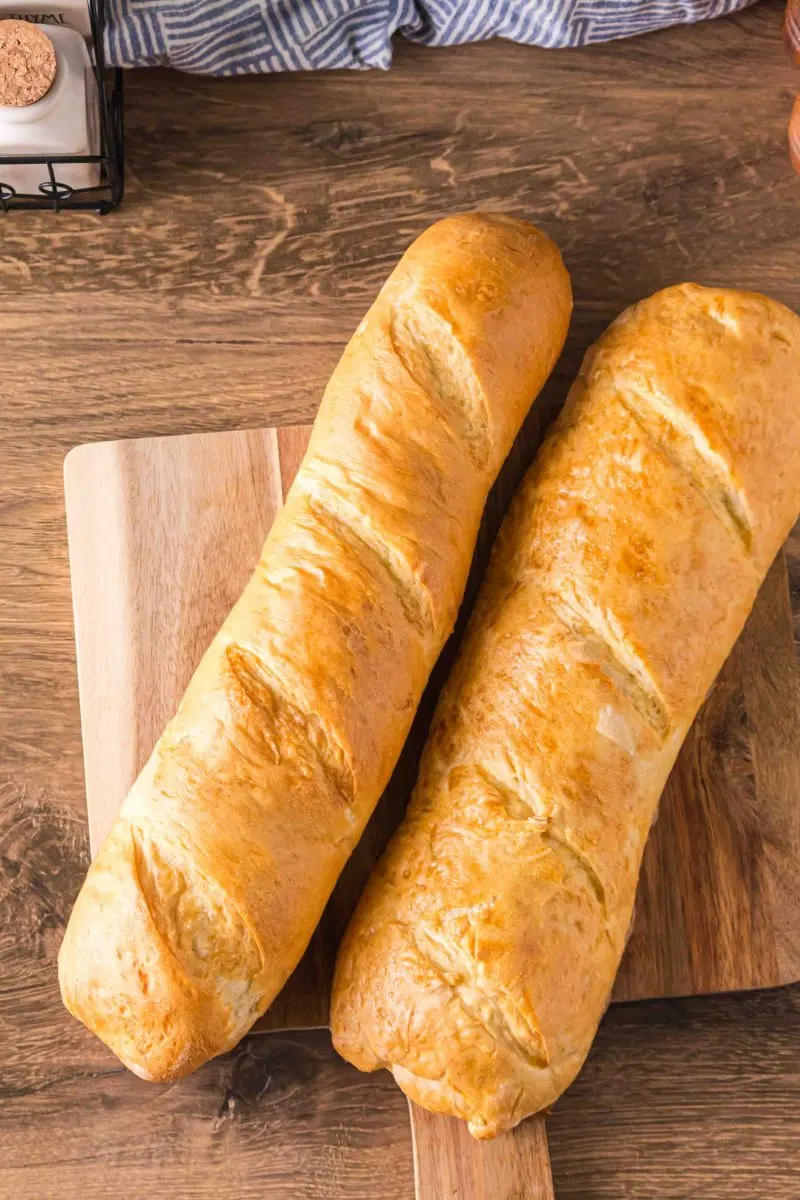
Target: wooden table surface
261, 216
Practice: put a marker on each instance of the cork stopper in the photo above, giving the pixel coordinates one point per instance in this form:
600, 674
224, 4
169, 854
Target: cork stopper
27, 63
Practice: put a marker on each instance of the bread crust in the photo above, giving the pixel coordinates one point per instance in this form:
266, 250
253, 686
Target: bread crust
484, 949
211, 882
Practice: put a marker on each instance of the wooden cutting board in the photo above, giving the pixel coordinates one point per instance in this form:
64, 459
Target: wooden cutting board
163, 533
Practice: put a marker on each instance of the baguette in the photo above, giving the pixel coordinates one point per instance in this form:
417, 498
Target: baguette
209, 886
484, 949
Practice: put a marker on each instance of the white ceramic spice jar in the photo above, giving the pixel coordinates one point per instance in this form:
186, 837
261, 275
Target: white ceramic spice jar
42, 115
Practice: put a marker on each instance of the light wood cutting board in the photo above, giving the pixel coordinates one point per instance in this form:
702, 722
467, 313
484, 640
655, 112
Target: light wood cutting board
163, 533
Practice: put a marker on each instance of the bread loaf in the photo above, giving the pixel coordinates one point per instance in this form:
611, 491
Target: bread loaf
211, 882
483, 952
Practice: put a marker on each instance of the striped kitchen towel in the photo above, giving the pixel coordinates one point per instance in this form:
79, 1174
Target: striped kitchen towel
235, 37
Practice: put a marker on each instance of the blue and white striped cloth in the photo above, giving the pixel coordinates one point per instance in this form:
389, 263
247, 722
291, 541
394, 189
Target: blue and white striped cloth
235, 37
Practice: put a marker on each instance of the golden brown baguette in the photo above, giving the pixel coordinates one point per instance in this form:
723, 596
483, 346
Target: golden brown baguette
485, 946
211, 882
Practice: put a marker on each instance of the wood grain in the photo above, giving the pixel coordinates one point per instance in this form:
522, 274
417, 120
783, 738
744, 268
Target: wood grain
718, 908
684, 1100
163, 535
449, 1164
649, 160
278, 1119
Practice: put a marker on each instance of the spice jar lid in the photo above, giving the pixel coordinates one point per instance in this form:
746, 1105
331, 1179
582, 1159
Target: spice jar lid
27, 63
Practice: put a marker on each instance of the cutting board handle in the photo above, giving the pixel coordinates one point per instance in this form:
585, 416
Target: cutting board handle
451, 1165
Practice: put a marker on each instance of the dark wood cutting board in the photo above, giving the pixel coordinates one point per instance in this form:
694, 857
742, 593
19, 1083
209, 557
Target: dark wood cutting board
163, 533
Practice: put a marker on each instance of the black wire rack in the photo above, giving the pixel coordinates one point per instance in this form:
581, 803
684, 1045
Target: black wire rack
53, 193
